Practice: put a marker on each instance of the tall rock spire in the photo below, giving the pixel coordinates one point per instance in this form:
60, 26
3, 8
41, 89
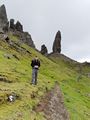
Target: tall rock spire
57, 43
3, 16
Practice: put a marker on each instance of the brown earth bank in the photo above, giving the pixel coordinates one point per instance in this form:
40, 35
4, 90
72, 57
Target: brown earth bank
52, 105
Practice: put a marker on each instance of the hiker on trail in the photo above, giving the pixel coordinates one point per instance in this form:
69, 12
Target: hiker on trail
35, 67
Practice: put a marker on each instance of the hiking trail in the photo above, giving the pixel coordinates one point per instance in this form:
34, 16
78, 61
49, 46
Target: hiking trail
52, 105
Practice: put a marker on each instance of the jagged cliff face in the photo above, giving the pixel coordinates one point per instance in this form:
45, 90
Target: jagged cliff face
57, 43
16, 29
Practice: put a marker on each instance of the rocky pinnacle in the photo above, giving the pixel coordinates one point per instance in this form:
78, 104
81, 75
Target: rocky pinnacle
57, 43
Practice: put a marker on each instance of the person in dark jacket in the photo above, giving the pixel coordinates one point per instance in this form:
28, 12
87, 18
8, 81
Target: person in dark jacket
35, 63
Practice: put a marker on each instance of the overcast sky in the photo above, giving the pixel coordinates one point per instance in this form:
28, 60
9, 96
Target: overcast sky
43, 18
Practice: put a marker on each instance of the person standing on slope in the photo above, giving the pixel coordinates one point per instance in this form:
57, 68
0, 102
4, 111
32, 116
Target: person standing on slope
35, 63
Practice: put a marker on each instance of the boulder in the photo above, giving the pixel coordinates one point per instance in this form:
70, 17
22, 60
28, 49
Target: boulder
44, 50
57, 43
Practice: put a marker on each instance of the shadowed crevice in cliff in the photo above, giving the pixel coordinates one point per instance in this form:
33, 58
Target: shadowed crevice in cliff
53, 105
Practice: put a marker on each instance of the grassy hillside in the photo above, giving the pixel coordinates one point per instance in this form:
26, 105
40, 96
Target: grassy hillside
15, 77
76, 89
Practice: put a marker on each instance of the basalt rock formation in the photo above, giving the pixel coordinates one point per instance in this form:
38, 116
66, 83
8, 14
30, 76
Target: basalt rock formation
12, 26
26, 38
19, 26
44, 50
16, 29
3, 19
57, 43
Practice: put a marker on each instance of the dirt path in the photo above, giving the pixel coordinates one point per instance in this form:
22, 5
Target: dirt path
53, 105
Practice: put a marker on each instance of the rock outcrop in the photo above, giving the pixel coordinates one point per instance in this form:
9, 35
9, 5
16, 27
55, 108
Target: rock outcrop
3, 19
16, 29
57, 43
19, 26
26, 38
44, 50
12, 26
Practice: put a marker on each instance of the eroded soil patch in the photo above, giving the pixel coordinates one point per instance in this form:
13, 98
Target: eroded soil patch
52, 105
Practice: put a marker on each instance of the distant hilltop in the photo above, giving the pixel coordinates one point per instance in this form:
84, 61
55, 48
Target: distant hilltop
16, 28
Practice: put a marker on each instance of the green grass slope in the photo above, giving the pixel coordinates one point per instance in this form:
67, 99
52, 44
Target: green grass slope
15, 77
76, 89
